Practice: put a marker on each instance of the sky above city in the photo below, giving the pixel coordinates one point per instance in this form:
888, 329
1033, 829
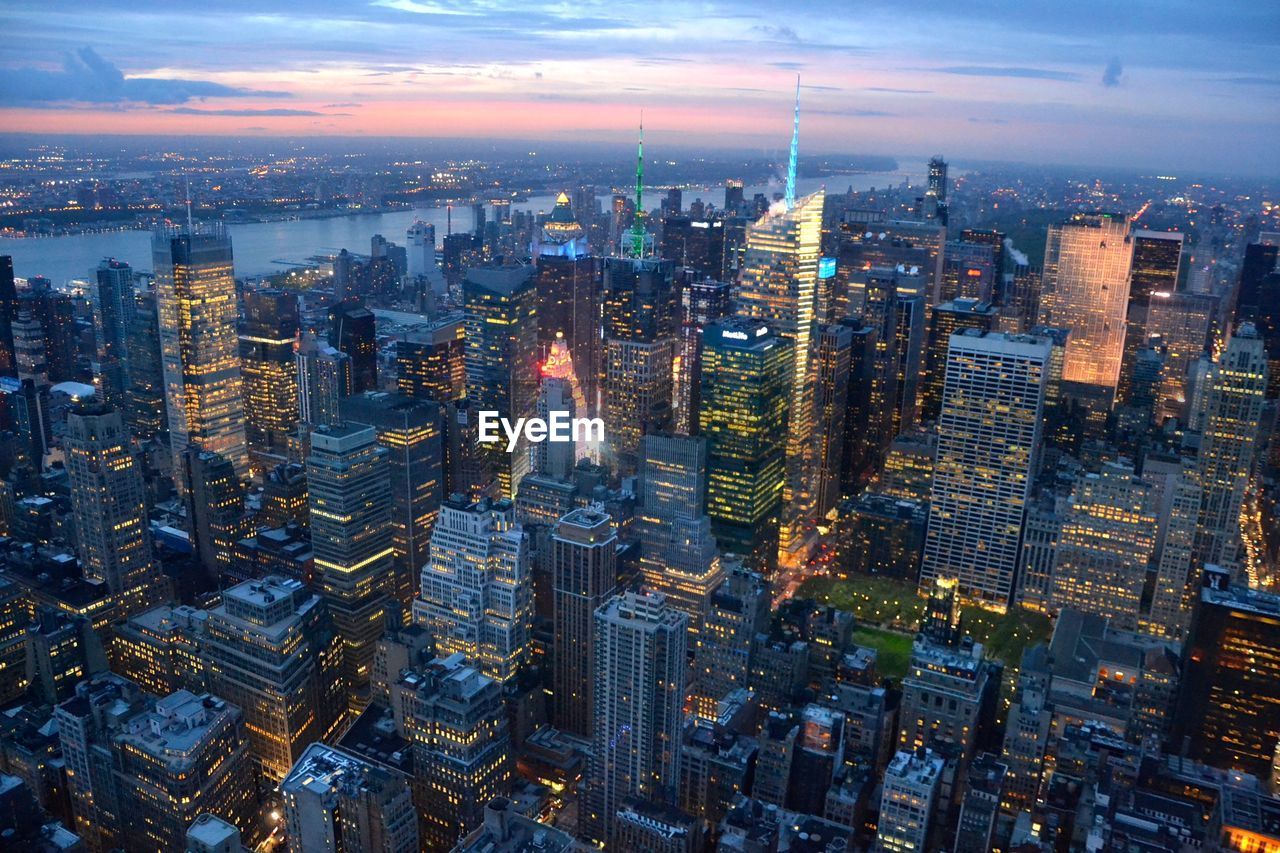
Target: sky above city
1159, 84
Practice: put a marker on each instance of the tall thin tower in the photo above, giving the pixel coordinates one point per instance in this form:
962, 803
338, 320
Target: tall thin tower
637, 226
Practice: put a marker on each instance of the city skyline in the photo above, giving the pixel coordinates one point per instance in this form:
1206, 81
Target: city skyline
1146, 86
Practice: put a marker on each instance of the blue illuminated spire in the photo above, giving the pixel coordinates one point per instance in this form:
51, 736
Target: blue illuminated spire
790, 198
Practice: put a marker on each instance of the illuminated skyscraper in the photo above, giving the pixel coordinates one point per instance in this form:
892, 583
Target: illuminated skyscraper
639, 697
454, 719
410, 430
1226, 714
945, 320
1107, 540
108, 497
268, 336
745, 390
584, 565
640, 340
1183, 321
501, 305
695, 244
936, 194
569, 292
349, 492
739, 611
778, 287
1086, 289
196, 303
271, 649
988, 448
969, 271
430, 364
112, 310
1232, 418
142, 769
476, 594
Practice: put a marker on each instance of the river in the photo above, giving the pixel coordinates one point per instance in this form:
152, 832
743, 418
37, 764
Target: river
262, 248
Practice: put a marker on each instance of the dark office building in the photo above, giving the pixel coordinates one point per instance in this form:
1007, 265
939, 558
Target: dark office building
945, 320
352, 330
1228, 712
701, 304
1259, 260
696, 244
8, 313
112, 307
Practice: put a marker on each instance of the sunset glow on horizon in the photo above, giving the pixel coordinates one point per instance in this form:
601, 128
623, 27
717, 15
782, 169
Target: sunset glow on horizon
1056, 85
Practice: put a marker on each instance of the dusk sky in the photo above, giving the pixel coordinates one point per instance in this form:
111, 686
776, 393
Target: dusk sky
1161, 84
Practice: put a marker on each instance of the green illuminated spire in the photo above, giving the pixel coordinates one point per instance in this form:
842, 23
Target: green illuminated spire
637, 226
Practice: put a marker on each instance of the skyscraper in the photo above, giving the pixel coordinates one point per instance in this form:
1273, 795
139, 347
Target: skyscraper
569, 292
214, 500
271, 649
410, 431
324, 379
112, 311
268, 337
476, 595
141, 769
1226, 713
584, 576
640, 308
988, 448
745, 391
1085, 289
1237, 387
739, 611
1108, 538
831, 407
431, 363
678, 556
349, 492
454, 719
196, 303
1157, 256
945, 320
353, 330
146, 410
8, 313
936, 193
701, 304
108, 497
778, 287
1183, 322
638, 696
501, 305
